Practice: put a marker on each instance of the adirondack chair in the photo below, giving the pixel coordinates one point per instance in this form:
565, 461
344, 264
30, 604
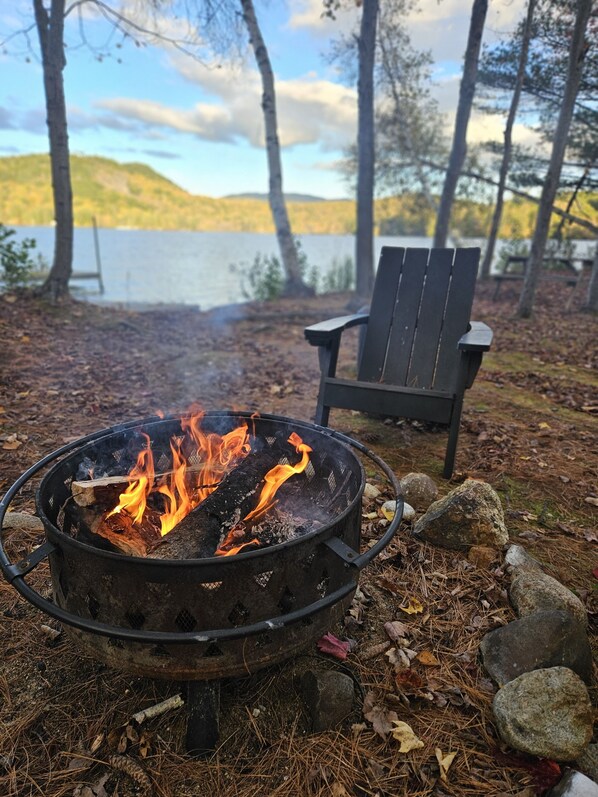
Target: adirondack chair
420, 351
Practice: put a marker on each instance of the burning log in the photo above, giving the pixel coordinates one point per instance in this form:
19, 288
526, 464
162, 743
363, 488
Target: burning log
119, 530
199, 533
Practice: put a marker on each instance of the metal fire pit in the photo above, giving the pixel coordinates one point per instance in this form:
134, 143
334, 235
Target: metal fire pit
201, 619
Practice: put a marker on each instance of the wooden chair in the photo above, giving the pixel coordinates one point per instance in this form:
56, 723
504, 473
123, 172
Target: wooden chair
420, 351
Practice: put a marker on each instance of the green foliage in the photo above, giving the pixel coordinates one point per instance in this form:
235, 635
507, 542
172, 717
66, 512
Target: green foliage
264, 279
15, 260
340, 277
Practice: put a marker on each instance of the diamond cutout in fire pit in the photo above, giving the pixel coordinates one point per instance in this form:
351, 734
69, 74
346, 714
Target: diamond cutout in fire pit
135, 618
185, 620
239, 614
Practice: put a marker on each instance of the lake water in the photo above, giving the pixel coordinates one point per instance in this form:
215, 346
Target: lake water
197, 268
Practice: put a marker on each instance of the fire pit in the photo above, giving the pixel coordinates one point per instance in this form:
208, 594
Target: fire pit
197, 619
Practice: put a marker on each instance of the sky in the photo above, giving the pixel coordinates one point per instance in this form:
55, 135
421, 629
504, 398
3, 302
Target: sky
200, 123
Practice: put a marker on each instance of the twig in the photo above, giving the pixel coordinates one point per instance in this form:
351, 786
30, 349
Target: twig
176, 701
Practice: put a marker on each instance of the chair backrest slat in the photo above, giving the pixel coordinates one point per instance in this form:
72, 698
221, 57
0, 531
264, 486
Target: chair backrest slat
457, 314
421, 306
384, 296
406, 310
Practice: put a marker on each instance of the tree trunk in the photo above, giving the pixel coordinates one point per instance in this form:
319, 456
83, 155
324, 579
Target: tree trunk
294, 286
459, 147
591, 304
508, 135
551, 182
50, 28
364, 239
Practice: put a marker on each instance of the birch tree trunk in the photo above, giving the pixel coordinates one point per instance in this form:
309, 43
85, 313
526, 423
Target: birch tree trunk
364, 239
551, 181
294, 285
508, 138
50, 27
459, 146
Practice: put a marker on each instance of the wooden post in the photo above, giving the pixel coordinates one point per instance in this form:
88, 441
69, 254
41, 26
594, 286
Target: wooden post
96, 244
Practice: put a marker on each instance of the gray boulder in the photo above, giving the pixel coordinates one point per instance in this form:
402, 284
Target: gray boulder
532, 591
22, 521
328, 695
516, 556
540, 640
546, 713
419, 490
588, 762
574, 784
471, 514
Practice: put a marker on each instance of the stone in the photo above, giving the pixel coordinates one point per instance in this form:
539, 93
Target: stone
22, 521
390, 507
516, 556
370, 491
588, 762
482, 556
471, 514
574, 784
533, 590
546, 713
328, 695
538, 641
419, 490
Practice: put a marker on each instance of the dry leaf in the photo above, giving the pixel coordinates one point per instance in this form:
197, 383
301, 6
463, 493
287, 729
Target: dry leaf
333, 646
444, 762
428, 659
398, 658
338, 790
409, 681
413, 606
396, 629
388, 585
381, 718
11, 445
403, 733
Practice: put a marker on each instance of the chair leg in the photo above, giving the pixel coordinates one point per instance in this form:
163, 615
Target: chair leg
451, 449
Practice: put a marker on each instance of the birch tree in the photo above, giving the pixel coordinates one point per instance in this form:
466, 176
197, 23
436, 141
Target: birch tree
459, 145
578, 48
294, 285
508, 142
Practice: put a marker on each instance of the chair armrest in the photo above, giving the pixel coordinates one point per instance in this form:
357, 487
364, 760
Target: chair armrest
325, 331
478, 338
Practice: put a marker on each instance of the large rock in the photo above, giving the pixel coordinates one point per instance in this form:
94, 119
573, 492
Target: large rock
419, 490
532, 591
540, 640
469, 515
588, 762
22, 521
546, 713
574, 784
328, 695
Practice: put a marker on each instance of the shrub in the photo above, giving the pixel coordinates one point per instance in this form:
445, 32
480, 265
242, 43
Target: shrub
15, 260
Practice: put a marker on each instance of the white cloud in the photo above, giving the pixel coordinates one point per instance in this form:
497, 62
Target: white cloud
309, 109
308, 14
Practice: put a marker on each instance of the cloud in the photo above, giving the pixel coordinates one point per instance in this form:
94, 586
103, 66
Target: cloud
6, 122
308, 14
310, 110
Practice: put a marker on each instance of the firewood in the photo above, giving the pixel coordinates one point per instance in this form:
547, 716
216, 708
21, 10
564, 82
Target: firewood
199, 533
119, 530
105, 491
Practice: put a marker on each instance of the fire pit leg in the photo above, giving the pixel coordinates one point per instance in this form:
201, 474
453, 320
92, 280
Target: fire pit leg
203, 725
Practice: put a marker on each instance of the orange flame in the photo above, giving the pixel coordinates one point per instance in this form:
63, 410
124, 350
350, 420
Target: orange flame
134, 499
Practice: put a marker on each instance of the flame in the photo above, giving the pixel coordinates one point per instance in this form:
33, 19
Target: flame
278, 475
134, 499
184, 487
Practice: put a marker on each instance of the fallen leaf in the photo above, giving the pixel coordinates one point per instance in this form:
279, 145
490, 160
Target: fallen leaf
444, 762
398, 658
591, 500
413, 606
395, 630
403, 733
333, 646
388, 585
544, 425
382, 719
428, 659
11, 445
338, 790
409, 681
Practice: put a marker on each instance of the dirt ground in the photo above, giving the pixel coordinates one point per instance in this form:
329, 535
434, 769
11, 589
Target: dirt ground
529, 428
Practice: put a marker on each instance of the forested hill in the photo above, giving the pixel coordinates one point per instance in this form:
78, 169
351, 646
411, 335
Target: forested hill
133, 195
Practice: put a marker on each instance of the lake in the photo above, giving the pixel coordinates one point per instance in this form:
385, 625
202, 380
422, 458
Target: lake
198, 268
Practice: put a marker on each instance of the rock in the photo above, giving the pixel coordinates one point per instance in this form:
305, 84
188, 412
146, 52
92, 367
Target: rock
390, 507
588, 762
574, 784
328, 695
370, 491
419, 490
482, 556
546, 713
540, 640
22, 521
516, 556
469, 515
532, 590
